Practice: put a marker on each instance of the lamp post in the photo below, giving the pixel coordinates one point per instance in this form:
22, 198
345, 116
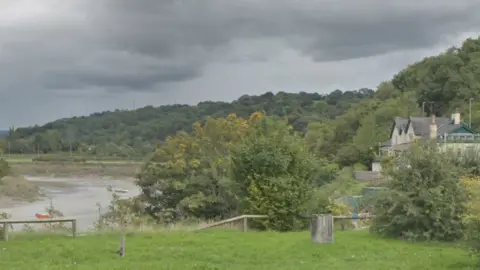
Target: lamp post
470, 113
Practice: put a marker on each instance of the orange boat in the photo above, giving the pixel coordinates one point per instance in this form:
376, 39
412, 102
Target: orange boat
42, 216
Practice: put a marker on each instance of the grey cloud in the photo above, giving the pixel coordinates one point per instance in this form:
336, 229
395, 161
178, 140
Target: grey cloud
123, 45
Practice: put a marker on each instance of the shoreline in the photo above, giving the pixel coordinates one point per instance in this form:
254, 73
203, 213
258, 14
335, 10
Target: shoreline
9, 202
83, 198
77, 170
29, 176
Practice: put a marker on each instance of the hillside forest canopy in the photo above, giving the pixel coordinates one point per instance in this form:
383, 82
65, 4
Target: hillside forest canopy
343, 127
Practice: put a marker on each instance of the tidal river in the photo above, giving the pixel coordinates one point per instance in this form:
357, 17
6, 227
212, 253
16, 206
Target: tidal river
74, 197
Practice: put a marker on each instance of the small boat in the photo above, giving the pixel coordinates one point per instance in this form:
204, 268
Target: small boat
120, 190
43, 216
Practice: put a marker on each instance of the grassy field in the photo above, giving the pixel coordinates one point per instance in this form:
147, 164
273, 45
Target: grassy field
227, 250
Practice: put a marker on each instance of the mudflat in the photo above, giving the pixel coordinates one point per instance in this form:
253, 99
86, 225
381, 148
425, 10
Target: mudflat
74, 196
55, 169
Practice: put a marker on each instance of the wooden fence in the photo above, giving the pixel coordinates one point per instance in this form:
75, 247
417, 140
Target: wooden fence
7, 223
240, 222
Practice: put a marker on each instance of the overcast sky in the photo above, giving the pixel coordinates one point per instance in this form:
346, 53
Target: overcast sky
72, 57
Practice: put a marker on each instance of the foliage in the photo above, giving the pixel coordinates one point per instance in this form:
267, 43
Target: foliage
4, 168
275, 173
53, 212
472, 217
387, 163
189, 175
345, 128
230, 166
344, 184
127, 133
424, 200
467, 161
122, 213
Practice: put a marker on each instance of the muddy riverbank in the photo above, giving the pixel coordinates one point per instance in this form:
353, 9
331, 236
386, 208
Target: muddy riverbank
75, 197
83, 170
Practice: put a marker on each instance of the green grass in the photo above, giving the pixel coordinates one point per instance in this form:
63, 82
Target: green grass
227, 250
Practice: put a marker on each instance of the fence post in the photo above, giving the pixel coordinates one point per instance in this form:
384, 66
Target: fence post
121, 251
322, 229
5, 231
74, 228
245, 224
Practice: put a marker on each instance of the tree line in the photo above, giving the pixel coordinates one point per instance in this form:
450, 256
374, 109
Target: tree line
127, 133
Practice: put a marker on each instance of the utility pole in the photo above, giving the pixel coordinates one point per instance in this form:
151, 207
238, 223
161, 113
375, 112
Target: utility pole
470, 113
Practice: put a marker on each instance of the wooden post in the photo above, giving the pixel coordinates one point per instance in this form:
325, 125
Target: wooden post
322, 229
5, 231
245, 224
74, 228
121, 251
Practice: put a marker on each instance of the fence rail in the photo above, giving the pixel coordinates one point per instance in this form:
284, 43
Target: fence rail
240, 222
8, 222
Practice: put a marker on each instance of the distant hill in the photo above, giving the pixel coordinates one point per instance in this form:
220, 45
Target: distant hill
121, 131
3, 133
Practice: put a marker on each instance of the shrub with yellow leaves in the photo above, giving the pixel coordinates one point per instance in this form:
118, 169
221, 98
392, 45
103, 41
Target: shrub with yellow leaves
472, 218
256, 116
472, 185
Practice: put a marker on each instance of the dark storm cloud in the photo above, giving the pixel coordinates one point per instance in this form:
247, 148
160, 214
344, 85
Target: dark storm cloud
144, 44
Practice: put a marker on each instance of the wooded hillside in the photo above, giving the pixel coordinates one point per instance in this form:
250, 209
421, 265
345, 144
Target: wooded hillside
119, 132
342, 126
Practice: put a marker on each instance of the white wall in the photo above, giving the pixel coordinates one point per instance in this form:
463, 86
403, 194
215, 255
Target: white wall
405, 137
459, 146
376, 166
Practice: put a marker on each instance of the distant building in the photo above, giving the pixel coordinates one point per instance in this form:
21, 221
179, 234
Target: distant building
449, 133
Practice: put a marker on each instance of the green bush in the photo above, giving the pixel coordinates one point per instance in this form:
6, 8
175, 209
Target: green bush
424, 200
4, 168
276, 173
472, 218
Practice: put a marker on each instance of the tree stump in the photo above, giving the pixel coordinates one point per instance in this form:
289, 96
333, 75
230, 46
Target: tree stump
322, 229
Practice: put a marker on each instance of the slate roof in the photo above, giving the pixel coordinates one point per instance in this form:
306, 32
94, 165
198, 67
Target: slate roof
421, 125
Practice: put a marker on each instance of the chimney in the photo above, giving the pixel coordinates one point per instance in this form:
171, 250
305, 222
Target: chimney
433, 128
456, 118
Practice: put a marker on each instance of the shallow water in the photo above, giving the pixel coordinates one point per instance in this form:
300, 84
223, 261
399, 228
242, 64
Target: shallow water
74, 197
